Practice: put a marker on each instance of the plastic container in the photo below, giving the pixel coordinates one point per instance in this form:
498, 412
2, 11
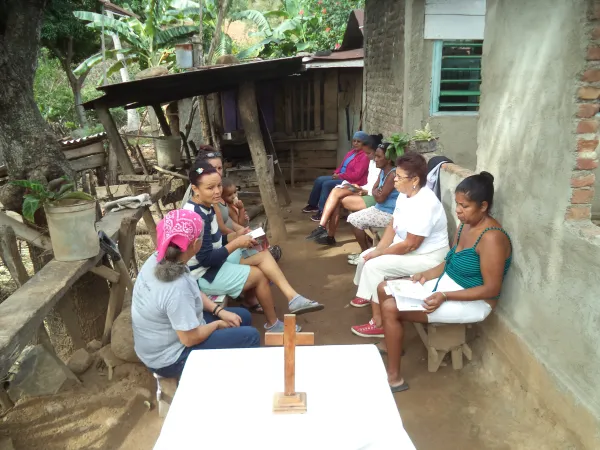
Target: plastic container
168, 151
72, 228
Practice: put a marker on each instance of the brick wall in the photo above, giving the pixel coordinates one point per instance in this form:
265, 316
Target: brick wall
588, 95
384, 65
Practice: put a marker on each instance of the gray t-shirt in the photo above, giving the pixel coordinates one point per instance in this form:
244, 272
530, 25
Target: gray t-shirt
158, 309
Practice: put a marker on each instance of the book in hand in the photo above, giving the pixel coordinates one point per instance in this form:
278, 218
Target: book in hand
262, 243
409, 296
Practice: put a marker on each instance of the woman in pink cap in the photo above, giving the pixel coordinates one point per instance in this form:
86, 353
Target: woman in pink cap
170, 316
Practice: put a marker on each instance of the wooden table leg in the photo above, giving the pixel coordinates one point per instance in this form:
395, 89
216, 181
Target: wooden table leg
150, 224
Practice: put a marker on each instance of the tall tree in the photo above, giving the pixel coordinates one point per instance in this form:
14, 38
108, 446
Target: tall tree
29, 147
70, 41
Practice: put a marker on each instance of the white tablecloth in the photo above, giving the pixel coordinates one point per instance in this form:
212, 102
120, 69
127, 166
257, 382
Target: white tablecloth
225, 401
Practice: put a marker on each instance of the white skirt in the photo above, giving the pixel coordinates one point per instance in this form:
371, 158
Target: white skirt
456, 312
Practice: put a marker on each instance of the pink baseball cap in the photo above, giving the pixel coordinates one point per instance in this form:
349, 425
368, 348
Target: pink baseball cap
180, 227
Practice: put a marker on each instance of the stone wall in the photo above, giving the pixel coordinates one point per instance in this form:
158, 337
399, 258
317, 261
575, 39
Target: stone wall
535, 137
384, 66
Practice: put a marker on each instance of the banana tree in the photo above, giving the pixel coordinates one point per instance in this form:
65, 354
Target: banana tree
287, 38
149, 42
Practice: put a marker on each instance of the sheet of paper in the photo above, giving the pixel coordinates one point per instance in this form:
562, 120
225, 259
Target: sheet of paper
409, 296
255, 234
343, 185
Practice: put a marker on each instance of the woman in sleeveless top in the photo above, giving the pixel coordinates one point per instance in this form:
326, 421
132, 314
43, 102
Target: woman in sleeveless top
466, 286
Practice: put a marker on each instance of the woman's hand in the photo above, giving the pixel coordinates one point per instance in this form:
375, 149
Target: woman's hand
374, 254
419, 278
232, 319
222, 324
335, 176
433, 302
242, 232
244, 241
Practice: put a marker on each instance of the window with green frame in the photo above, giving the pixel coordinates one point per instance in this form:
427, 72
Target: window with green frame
456, 77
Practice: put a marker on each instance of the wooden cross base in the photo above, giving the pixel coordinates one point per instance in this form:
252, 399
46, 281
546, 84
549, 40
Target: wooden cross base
289, 404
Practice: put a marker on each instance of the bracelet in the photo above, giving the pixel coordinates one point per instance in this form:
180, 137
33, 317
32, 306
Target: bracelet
215, 310
445, 296
219, 310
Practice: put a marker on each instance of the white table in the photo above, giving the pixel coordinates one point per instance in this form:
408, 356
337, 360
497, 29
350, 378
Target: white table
225, 401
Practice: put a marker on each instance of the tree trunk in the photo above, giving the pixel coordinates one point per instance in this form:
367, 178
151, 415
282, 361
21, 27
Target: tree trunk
29, 147
250, 122
133, 118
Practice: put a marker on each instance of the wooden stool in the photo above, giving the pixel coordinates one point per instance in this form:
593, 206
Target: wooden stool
165, 391
441, 338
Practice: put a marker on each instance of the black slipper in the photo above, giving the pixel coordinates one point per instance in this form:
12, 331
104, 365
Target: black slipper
254, 309
403, 387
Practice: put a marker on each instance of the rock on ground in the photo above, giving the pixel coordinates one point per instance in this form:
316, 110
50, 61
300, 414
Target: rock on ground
6, 443
79, 361
122, 337
94, 346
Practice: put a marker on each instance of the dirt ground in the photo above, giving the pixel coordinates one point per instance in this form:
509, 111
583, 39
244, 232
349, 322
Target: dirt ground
467, 409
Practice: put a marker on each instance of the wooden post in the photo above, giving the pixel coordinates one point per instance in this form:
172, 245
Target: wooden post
117, 148
317, 77
162, 120
289, 351
9, 253
250, 122
270, 148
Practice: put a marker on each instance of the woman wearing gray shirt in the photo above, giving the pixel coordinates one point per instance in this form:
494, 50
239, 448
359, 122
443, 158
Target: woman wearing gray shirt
170, 316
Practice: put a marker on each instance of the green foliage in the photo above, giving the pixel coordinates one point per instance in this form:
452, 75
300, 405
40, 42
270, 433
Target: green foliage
424, 134
52, 92
37, 195
397, 145
303, 25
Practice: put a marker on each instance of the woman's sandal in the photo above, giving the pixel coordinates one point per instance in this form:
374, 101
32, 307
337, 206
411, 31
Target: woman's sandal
403, 387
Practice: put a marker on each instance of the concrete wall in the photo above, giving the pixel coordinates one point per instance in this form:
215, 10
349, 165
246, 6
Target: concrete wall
398, 65
534, 52
384, 66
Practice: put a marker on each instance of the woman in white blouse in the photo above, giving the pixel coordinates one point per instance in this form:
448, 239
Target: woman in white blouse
415, 241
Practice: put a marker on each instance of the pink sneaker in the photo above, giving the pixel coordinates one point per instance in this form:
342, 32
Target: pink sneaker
360, 302
368, 330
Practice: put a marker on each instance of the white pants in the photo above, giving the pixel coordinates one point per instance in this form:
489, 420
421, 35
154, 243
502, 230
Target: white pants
456, 312
370, 274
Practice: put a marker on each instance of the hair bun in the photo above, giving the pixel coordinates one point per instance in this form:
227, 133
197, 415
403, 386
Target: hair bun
380, 136
487, 176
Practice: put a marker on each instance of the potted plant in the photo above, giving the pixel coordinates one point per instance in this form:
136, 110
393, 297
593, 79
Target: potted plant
397, 145
71, 217
425, 141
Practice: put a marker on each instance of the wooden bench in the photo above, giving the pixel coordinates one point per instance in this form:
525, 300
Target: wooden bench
375, 233
22, 313
441, 338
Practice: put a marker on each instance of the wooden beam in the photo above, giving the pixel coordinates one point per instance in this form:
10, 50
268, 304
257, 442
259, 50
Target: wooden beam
250, 122
91, 149
301, 339
331, 102
26, 233
89, 162
173, 174
317, 78
117, 147
162, 120
138, 178
106, 273
9, 253
270, 149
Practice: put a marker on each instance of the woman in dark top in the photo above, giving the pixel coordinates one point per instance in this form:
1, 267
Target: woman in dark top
466, 286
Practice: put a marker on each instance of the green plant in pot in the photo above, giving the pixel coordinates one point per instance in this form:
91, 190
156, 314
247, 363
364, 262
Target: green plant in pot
71, 217
396, 145
424, 139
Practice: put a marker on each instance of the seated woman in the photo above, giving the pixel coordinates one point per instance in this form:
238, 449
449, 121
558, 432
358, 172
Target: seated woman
353, 169
416, 240
350, 196
379, 215
170, 316
218, 265
465, 288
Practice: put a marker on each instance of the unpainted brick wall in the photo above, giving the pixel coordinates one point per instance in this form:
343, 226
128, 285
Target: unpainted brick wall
384, 65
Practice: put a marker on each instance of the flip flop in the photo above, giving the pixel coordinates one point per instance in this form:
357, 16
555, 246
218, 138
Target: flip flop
403, 387
254, 309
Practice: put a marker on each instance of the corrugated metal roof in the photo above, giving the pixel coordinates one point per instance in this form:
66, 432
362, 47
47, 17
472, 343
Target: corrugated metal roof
353, 36
66, 143
197, 81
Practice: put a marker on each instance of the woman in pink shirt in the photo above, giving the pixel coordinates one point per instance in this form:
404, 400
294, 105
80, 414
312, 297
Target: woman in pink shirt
354, 169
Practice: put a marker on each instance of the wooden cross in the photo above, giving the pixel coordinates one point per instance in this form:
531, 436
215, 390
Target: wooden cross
289, 401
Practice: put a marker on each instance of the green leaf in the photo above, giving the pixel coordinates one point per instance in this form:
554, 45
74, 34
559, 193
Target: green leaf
65, 188
76, 195
172, 35
30, 205
255, 17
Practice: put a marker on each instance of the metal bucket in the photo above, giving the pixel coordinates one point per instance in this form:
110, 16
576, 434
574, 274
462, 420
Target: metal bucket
168, 151
72, 228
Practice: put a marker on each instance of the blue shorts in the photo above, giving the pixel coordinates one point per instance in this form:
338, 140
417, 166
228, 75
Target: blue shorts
230, 279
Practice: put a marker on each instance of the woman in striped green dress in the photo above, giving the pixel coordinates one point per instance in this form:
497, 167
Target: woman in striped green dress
466, 286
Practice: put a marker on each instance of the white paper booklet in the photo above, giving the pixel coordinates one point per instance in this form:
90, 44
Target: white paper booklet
255, 234
409, 296
343, 185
